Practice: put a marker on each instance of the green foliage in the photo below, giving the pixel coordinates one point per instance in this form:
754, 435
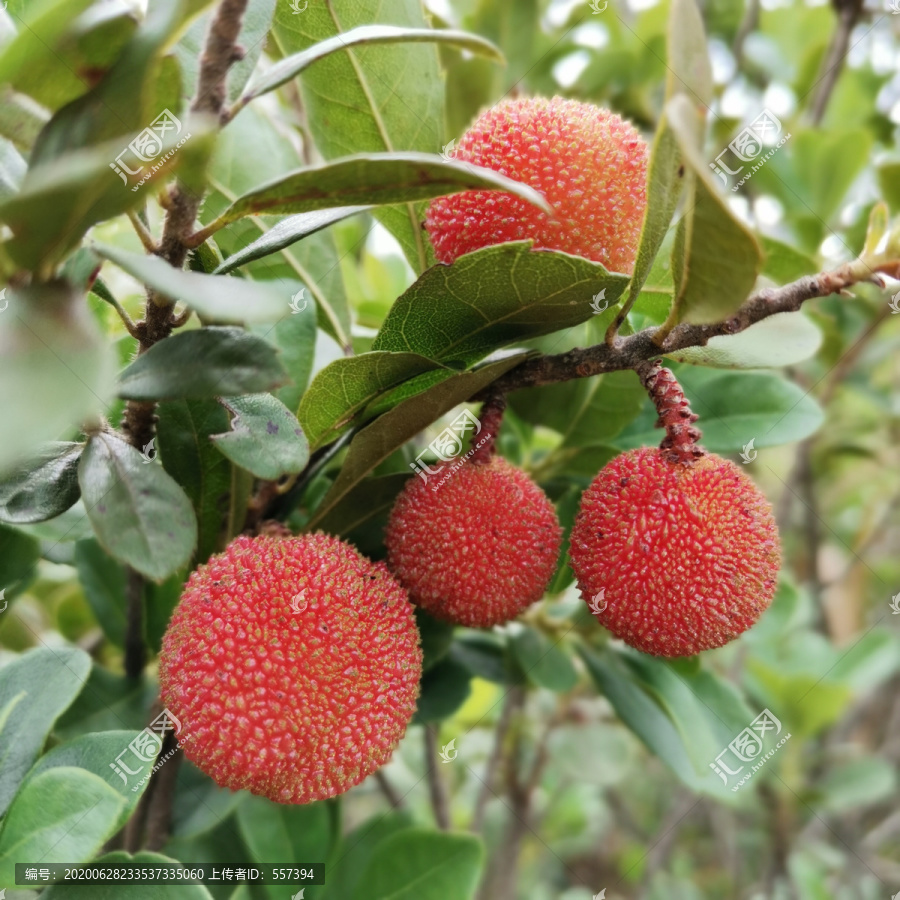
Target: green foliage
304, 353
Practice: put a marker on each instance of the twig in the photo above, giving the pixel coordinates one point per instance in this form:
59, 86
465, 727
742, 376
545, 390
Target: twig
440, 802
142, 232
748, 25
135, 650
848, 13
511, 704
389, 791
159, 812
629, 352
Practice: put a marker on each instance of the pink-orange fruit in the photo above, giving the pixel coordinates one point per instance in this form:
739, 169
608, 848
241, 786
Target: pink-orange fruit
478, 549
293, 665
684, 556
590, 165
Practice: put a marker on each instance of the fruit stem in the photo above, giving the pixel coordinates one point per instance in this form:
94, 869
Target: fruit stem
491, 419
680, 442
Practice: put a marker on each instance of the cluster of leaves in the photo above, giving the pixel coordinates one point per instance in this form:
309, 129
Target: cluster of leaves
361, 365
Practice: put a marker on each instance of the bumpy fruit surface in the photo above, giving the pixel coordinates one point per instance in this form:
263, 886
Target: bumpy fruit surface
685, 557
589, 164
293, 665
478, 549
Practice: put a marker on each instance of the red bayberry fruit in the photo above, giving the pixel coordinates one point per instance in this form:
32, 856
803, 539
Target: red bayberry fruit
589, 164
476, 549
293, 665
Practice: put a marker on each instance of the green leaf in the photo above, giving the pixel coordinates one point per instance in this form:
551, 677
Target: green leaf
780, 340
216, 298
369, 498
288, 68
388, 432
346, 386
104, 583
381, 178
144, 859
265, 438
491, 297
542, 662
108, 702
444, 689
190, 457
371, 99
783, 264
19, 554
288, 231
139, 513
43, 487
55, 370
734, 408
12, 169
415, 864
94, 753
295, 338
717, 258
199, 805
484, 656
207, 362
689, 69
21, 121
63, 815
34, 690
436, 637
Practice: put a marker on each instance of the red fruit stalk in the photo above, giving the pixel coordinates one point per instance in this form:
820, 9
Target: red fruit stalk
479, 548
293, 665
677, 547
590, 164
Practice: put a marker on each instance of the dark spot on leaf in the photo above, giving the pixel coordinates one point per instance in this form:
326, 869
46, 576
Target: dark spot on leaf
271, 427
101, 508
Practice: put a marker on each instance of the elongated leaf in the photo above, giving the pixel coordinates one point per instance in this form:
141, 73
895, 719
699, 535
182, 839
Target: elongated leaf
416, 864
93, 753
542, 661
42, 487
382, 178
492, 297
54, 368
34, 690
144, 859
104, 583
209, 362
369, 498
287, 232
191, 458
348, 385
127, 502
19, 554
689, 69
265, 438
371, 99
717, 257
293, 65
388, 432
63, 815
216, 298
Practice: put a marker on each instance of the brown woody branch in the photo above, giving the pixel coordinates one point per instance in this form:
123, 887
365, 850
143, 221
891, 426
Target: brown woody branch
630, 352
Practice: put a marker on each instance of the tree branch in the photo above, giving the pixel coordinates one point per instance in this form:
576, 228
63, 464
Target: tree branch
440, 802
135, 650
629, 352
848, 13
